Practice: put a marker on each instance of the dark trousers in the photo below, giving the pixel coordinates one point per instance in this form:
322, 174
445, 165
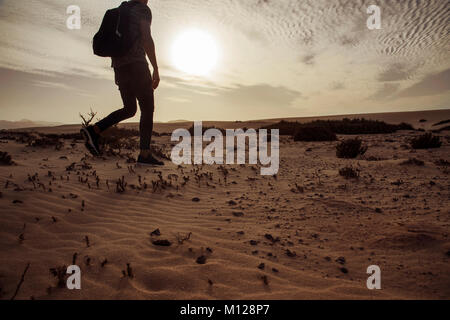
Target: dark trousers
135, 82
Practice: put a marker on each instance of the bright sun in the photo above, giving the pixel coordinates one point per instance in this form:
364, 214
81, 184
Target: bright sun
194, 52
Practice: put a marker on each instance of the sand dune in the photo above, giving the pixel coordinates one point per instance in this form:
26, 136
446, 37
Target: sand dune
259, 237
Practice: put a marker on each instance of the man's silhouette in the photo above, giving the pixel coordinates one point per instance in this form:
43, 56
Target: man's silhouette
132, 75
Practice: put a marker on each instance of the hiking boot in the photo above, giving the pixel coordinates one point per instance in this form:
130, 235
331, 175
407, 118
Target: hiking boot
91, 140
149, 161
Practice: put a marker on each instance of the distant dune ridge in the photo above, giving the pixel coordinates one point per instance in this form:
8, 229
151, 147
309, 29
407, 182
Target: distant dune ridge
226, 232
24, 123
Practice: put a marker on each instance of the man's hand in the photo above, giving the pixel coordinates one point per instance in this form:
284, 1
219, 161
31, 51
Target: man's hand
155, 79
149, 47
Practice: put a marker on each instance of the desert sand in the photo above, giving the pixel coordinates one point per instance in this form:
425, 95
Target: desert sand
307, 233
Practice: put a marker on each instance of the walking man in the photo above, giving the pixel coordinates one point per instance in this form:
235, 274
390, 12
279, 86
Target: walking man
135, 82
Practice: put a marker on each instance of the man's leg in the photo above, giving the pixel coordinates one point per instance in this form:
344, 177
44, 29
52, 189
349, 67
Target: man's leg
123, 80
128, 110
145, 96
91, 134
146, 104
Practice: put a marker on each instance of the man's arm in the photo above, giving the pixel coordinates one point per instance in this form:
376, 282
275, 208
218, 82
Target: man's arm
149, 47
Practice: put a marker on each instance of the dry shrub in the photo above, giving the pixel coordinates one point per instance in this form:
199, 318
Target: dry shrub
344, 126
119, 139
349, 172
159, 152
426, 141
350, 148
45, 142
314, 134
442, 163
64, 136
60, 274
86, 120
6, 159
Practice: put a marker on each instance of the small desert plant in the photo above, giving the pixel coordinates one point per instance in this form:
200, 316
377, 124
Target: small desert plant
121, 133
116, 138
349, 173
159, 152
64, 136
5, 159
182, 238
426, 141
314, 134
442, 163
121, 185
86, 120
18, 136
350, 148
60, 274
413, 161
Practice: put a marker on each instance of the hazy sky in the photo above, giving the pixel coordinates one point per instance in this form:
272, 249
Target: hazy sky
277, 58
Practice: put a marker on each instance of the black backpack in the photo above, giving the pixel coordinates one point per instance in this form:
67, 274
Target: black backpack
114, 39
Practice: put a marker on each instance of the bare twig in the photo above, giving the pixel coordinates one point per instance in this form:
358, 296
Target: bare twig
22, 279
86, 121
181, 239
